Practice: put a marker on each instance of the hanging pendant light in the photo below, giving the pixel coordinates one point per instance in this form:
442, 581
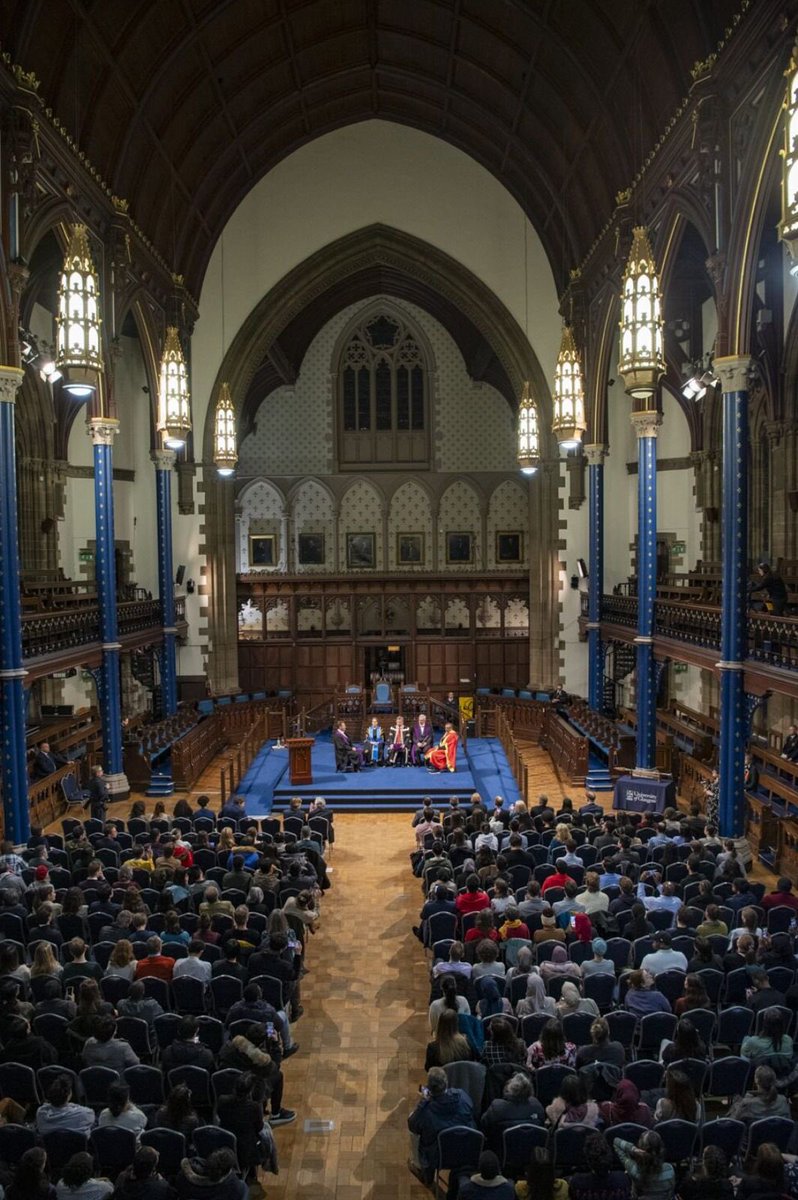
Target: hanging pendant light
569, 422
641, 363
79, 354
788, 228
225, 452
174, 410
528, 434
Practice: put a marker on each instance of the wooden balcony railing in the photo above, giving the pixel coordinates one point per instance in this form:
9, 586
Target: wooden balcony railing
53, 632
771, 639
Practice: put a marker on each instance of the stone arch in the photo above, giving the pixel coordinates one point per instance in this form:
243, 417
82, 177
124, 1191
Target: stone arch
261, 508
377, 251
311, 508
410, 512
461, 510
507, 513
362, 511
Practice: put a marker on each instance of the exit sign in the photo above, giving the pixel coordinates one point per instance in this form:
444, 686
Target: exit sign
679, 547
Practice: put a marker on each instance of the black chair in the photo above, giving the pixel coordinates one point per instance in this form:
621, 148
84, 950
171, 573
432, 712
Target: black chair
623, 1027
198, 1082
18, 1081
532, 1027
778, 1130
114, 988
518, 1145
653, 1029
136, 1032
47, 1075
226, 991
188, 994
157, 989
785, 1013
640, 948
94, 1084
223, 1083
714, 982
645, 1073
171, 1147
696, 1070
208, 1138
145, 1083
705, 1022
781, 978
211, 1033
60, 1147
671, 984
734, 1024
548, 1080
14, 1141
737, 984
458, 1147
780, 918
727, 1134
272, 990
679, 1139
569, 1145
627, 1131
601, 988
53, 1029
114, 1149
576, 1028
729, 1076
166, 1028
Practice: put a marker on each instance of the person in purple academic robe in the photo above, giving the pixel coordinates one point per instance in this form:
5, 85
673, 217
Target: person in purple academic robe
422, 739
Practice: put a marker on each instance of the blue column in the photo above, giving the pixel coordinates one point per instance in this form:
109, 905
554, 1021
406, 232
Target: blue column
164, 461
12, 672
595, 582
646, 425
102, 431
733, 374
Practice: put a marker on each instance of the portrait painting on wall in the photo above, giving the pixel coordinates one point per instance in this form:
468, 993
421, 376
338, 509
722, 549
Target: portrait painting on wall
262, 550
509, 547
409, 548
311, 550
360, 551
459, 548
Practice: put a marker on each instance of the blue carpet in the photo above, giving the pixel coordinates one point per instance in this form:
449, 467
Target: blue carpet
484, 769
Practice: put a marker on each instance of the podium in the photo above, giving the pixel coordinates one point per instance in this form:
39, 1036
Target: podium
299, 767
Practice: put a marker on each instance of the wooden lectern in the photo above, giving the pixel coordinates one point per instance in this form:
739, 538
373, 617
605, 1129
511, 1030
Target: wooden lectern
299, 759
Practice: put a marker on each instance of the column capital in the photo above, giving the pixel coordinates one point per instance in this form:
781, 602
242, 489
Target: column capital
646, 424
164, 459
10, 382
102, 430
595, 454
733, 372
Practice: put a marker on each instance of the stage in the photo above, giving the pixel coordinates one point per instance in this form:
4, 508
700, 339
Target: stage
483, 768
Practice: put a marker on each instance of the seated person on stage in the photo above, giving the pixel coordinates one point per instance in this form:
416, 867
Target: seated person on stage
398, 743
422, 739
347, 755
444, 756
375, 743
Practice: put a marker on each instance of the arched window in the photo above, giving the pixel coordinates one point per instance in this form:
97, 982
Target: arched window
383, 390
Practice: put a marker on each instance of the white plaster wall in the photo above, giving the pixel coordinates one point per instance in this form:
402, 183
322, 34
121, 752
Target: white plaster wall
676, 507
77, 528
135, 509
575, 537
620, 490
373, 172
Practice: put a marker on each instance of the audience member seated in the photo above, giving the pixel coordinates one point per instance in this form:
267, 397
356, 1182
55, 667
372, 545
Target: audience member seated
642, 997
142, 1180
536, 999
572, 1106
626, 1106
601, 1049
517, 1106
488, 1183
711, 1181
501, 1044
448, 1045
679, 1101
773, 1038
78, 1181
541, 1182
448, 999
652, 1177
572, 1001
551, 1048
59, 1113
439, 1107
216, 1177
105, 1049
765, 1181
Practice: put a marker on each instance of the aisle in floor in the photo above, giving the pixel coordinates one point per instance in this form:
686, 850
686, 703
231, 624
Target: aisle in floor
365, 1028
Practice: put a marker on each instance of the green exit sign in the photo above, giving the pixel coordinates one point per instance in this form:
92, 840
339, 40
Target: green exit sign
679, 668
679, 547
86, 556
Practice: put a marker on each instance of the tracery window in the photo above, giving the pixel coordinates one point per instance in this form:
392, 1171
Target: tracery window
383, 382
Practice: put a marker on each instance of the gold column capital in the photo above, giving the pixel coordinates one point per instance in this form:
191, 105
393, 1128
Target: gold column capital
733, 372
10, 383
102, 430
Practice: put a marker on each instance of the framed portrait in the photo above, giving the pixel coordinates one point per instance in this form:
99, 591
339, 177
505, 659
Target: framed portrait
509, 547
360, 551
311, 549
409, 549
262, 550
459, 548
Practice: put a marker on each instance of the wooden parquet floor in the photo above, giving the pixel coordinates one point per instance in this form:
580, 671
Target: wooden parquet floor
364, 1029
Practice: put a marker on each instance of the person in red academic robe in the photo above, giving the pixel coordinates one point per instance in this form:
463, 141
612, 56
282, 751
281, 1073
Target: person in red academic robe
443, 757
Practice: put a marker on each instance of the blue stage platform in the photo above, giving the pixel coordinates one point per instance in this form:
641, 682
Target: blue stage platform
483, 768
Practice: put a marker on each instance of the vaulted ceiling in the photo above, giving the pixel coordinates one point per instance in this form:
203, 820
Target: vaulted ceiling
183, 105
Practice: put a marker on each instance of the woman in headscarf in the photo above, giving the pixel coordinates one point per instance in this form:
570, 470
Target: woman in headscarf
582, 928
536, 1000
559, 966
571, 1001
626, 1105
492, 1001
